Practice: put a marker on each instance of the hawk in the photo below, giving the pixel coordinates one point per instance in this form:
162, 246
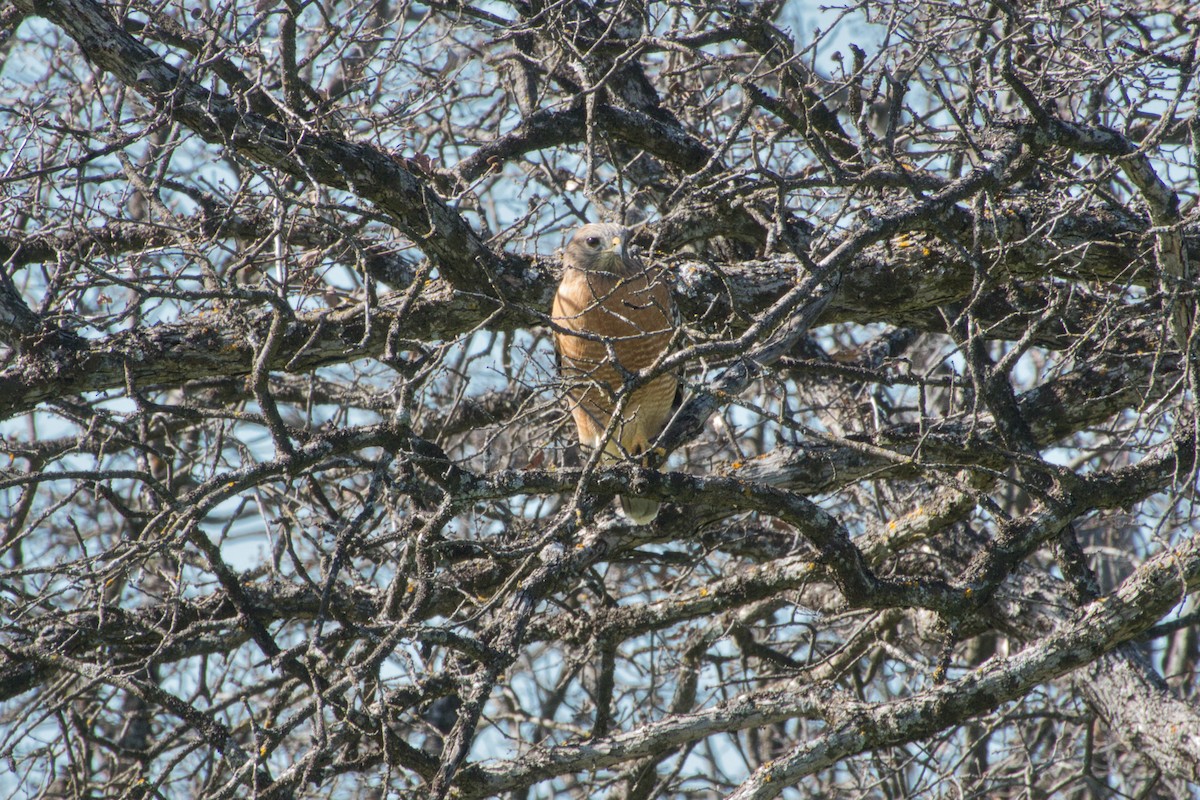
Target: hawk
624, 315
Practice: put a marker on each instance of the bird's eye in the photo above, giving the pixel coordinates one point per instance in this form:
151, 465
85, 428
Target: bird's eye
593, 241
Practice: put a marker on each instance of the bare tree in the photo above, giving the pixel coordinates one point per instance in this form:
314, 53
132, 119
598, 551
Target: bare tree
292, 505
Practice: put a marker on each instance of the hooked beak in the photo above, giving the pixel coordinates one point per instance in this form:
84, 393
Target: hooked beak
614, 253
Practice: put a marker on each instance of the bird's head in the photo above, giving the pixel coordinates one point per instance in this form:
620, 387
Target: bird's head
600, 247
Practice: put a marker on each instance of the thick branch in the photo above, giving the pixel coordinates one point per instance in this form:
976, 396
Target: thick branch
857, 727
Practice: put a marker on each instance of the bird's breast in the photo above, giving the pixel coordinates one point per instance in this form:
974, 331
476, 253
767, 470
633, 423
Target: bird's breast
633, 315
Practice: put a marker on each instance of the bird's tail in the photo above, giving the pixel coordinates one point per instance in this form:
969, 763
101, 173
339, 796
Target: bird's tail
639, 510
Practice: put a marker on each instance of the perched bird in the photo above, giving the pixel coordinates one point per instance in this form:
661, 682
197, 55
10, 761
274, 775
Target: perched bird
625, 316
